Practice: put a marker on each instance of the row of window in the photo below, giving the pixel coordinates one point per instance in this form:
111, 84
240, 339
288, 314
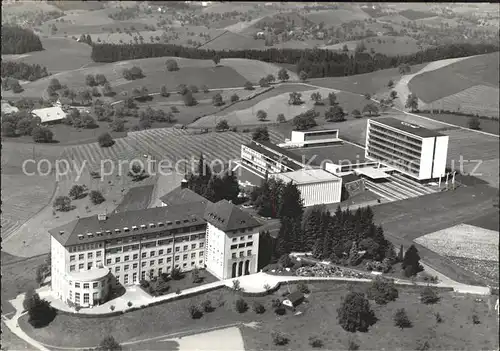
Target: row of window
249, 237
90, 255
144, 274
398, 135
153, 244
95, 285
242, 254
86, 247
156, 235
160, 261
239, 246
86, 297
81, 266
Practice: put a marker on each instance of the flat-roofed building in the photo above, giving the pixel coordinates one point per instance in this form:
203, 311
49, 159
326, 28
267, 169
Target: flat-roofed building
309, 138
316, 186
417, 152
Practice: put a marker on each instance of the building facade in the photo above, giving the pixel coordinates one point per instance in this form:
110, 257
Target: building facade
265, 157
311, 138
92, 255
415, 151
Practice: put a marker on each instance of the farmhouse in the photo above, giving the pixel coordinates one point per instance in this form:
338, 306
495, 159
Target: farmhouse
90, 255
415, 151
293, 300
8, 108
50, 115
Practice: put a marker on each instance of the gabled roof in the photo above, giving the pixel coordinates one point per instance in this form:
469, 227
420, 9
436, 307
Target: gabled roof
49, 113
181, 196
226, 217
171, 217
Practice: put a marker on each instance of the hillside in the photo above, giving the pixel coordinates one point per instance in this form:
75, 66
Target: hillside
336, 17
229, 40
387, 45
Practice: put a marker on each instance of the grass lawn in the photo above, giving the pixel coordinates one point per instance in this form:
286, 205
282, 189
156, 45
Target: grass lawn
488, 220
186, 281
11, 341
137, 198
458, 76
388, 45
486, 125
456, 330
329, 17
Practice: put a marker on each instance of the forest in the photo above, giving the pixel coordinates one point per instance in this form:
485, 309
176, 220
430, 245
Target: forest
17, 40
316, 63
23, 71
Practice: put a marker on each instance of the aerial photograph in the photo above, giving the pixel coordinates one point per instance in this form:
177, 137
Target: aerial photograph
250, 176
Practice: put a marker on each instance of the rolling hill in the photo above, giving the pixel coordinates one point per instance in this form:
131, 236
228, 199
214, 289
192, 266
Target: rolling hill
336, 17
387, 45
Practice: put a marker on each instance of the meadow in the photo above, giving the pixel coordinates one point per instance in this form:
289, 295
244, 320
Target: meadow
456, 329
451, 79
333, 18
486, 125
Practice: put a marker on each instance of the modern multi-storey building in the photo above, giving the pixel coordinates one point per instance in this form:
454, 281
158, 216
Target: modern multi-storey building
91, 255
312, 138
264, 156
418, 152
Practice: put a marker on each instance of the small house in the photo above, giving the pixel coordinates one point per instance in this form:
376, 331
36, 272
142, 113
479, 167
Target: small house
294, 299
320, 35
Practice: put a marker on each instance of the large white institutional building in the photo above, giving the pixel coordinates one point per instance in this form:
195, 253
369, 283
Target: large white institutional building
91, 255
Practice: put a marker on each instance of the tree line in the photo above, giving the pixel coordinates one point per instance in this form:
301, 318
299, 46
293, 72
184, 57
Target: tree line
23, 71
315, 62
18, 40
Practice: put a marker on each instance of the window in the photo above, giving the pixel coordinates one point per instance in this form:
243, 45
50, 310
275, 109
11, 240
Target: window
184, 265
160, 261
151, 254
160, 270
117, 260
177, 258
152, 262
108, 261
95, 285
86, 285
72, 268
126, 258
184, 257
201, 254
125, 268
86, 298
249, 237
71, 295
241, 253
242, 238
77, 298
193, 255
160, 252
80, 256
169, 259
143, 275
192, 263
201, 261
136, 256
89, 265
77, 285
117, 269
233, 255
72, 258
193, 246
234, 247
143, 264
134, 266
169, 250
143, 255
118, 278
250, 243
98, 254
89, 255
80, 266
134, 277
234, 240
249, 252
185, 247
125, 279
202, 244
177, 249
241, 245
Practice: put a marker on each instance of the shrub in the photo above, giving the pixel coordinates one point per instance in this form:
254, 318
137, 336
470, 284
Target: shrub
285, 261
235, 98
474, 123
279, 338
164, 92
429, 296
112, 308
178, 291
129, 304
352, 345
315, 342
96, 197
144, 283
241, 306
217, 100
258, 307
475, 319
281, 118
438, 317
249, 86
382, 291
303, 288
172, 65
207, 306
280, 310
261, 115
176, 273
222, 125
174, 109
193, 88
42, 135
105, 140
76, 191
401, 319
355, 313
62, 203
195, 312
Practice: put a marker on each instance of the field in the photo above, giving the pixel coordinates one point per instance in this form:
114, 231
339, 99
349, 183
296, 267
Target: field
471, 247
388, 45
456, 331
230, 73
234, 41
60, 55
334, 18
454, 78
486, 125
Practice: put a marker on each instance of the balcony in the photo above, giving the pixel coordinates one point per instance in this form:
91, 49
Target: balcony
384, 130
397, 151
394, 141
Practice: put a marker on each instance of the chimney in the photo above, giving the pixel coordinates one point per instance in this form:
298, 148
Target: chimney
184, 184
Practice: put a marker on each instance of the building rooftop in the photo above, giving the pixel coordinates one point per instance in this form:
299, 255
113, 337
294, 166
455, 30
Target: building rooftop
264, 148
124, 224
226, 217
90, 275
305, 176
49, 114
410, 128
336, 154
182, 196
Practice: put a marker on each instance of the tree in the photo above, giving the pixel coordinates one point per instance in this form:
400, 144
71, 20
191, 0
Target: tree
474, 123
316, 97
401, 319
390, 84
303, 288
345, 48
248, 86
270, 78
332, 99
355, 313
235, 98
394, 94
96, 197
371, 109
263, 82
295, 98
76, 191
16, 87
260, 134
193, 88
429, 295
412, 102
195, 312
171, 65
283, 75
261, 115
195, 275
164, 92
189, 99
279, 338
40, 312
258, 307
281, 118
404, 68
55, 84
367, 96
303, 76
335, 114
411, 262
217, 100
216, 60
100, 79
118, 125
285, 261
305, 121
42, 135
105, 140
90, 80
241, 305
28, 298
109, 344
382, 291
356, 113
182, 89
222, 125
